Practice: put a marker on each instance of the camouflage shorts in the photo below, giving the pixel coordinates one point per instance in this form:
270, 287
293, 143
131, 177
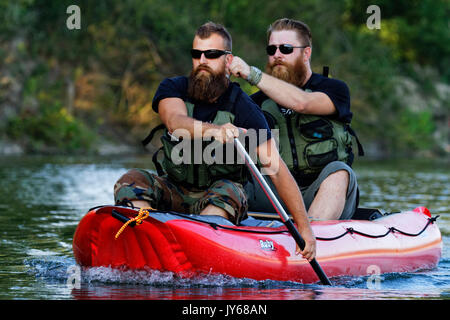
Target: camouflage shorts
138, 184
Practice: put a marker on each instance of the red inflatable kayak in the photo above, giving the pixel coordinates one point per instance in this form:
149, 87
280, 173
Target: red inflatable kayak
258, 249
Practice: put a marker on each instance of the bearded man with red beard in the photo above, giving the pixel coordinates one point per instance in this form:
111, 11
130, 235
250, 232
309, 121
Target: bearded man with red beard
312, 114
203, 106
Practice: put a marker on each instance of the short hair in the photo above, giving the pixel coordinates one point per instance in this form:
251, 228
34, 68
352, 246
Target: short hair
208, 28
302, 29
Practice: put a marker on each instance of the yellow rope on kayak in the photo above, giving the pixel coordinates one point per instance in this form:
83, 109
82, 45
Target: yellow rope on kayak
143, 214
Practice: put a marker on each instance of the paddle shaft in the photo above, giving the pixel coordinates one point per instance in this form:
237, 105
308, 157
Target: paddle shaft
280, 210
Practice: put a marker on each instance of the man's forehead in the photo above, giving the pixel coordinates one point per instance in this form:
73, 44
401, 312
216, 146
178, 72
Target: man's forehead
214, 41
284, 37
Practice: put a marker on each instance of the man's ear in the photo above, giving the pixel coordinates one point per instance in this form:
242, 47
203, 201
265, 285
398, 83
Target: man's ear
307, 53
228, 60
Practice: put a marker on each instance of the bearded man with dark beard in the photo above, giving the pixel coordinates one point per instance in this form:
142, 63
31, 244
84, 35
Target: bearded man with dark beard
207, 85
204, 106
312, 115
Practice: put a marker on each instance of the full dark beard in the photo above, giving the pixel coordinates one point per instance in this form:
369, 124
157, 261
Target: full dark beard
295, 74
207, 86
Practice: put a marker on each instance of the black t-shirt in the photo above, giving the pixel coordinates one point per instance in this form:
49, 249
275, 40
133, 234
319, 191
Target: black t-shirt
247, 114
335, 89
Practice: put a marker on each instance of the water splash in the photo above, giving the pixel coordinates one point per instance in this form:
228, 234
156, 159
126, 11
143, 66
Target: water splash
119, 283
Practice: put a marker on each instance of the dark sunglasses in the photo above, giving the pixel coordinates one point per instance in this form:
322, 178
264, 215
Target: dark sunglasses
209, 54
284, 49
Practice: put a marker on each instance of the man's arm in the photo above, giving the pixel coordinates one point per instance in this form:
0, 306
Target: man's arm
286, 94
292, 97
173, 114
289, 192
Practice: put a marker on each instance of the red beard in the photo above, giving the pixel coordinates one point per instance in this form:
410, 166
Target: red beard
207, 86
295, 74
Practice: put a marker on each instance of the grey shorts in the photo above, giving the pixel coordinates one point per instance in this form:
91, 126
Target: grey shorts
257, 200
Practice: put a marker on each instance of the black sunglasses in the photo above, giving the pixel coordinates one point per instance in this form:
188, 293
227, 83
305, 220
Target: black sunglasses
284, 49
209, 54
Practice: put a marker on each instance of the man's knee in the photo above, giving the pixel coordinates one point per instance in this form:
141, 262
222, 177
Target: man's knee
342, 183
230, 197
340, 174
340, 179
132, 186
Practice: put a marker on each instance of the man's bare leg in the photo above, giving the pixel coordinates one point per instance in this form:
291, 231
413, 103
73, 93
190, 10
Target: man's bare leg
212, 210
329, 201
141, 203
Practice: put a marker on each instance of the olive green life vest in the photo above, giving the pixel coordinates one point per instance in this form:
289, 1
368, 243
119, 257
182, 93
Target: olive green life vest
308, 143
200, 175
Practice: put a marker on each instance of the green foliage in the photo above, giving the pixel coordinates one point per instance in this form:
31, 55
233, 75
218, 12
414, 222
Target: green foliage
52, 130
43, 124
416, 130
416, 30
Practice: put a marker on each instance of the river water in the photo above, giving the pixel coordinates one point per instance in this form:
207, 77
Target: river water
42, 200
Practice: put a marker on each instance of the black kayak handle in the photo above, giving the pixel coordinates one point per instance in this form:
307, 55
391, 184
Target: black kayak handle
121, 218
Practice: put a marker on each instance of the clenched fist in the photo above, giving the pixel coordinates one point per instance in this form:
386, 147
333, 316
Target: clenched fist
239, 68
